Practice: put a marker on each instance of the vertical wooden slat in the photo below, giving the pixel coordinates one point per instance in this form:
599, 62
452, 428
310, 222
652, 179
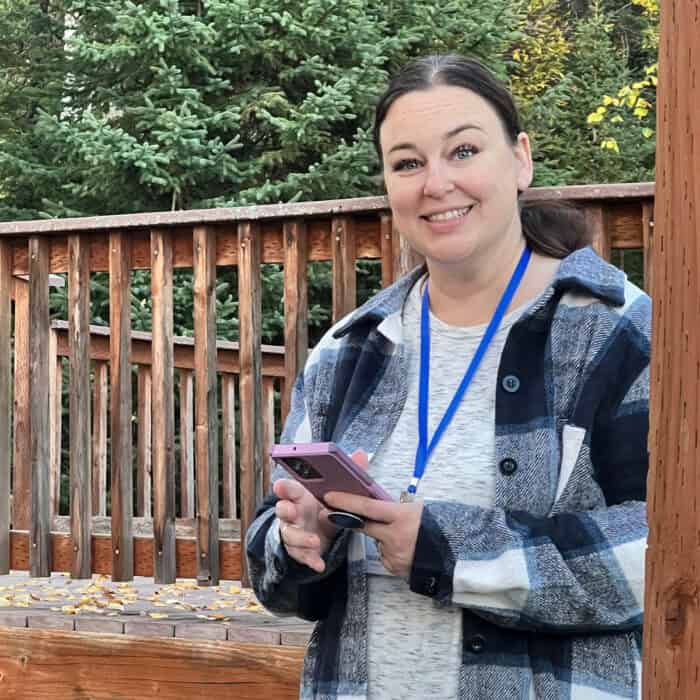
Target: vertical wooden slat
671, 643
99, 438
186, 443
80, 438
296, 318
250, 324
268, 414
387, 249
206, 424
228, 432
595, 218
163, 406
21, 462
6, 291
144, 443
404, 257
648, 242
39, 325
121, 454
55, 421
344, 277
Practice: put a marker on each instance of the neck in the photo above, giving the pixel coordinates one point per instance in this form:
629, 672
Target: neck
462, 297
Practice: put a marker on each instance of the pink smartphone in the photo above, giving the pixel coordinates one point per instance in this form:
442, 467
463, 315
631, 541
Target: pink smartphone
322, 467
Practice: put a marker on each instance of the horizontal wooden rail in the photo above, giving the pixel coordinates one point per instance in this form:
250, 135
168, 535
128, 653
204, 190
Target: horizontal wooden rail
54, 665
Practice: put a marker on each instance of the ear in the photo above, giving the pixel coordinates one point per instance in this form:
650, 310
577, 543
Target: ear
523, 155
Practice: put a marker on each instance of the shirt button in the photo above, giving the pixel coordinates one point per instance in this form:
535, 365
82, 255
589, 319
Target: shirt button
508, 466
430, 585
477, 643
510, 383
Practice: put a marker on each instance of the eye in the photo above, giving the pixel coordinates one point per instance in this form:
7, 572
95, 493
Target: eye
464, 152
406, 164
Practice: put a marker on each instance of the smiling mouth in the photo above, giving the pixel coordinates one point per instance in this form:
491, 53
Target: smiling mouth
448, 215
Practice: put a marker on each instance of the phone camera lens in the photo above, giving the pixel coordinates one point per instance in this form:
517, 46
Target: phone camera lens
302, 468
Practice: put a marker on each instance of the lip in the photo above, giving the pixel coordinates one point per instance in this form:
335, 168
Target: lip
449, 224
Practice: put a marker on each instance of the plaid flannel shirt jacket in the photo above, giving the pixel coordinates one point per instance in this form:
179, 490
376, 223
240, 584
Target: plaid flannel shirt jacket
551, 578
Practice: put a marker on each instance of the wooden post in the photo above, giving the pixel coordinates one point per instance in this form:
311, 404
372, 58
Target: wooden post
56, 423
268, 417
672, 611
144, 442
386, 245
296, 315
163, 406
99, 438
6, 291
80, 454
21, 464
228, 433
39, 325
206, 424
120, 406
186, 443
344, 275
250, 325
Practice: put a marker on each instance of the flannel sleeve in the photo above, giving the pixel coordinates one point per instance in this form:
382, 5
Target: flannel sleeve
569, 572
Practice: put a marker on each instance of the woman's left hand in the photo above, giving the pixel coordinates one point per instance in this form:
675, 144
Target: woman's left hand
393, 525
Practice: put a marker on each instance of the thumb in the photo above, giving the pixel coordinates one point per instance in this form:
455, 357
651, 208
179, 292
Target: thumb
361, 459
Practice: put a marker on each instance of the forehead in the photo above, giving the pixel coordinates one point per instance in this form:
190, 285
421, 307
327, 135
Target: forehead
436, 111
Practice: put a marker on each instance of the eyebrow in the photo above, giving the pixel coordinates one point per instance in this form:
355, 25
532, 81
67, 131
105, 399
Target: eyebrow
448, 135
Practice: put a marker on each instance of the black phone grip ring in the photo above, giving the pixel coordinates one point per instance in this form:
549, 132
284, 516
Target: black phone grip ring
343, 519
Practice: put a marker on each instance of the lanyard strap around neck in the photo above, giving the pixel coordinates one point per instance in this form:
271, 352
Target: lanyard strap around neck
424, 449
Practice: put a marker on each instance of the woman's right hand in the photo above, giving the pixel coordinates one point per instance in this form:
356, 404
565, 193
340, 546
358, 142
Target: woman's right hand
305, 530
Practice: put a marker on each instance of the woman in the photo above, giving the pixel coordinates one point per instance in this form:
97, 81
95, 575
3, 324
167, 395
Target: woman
514, 569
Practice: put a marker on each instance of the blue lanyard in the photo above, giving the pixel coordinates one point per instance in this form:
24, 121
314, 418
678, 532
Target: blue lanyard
424, 449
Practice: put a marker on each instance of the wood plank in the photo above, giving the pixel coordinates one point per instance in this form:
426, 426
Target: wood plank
144, 443
250, 326
227, 352
186, 548
39, 330
163, 416
344, 275
386, 236
121, 667
648, 244
100, 392
121, 458
6, 294
186, 378
296, 315
671, 666
80, 442
228, 432
21, 462
55, 423
595, 219
268, 416
206, 424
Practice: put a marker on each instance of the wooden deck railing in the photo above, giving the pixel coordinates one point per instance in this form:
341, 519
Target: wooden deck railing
103, 533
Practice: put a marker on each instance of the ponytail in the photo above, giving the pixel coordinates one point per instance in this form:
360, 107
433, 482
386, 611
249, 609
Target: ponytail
554, 228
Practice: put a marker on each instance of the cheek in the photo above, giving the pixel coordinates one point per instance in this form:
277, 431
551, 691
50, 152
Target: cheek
403, 198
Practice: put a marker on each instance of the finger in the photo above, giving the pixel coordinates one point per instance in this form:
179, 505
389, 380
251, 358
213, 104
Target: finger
296, 537
286, 511
361, 459
371, 508
288, 490
307, 557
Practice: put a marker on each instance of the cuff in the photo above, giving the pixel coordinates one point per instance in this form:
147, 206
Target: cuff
433, 562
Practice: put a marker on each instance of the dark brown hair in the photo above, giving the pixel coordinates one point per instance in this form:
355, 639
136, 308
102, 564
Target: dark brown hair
552, 228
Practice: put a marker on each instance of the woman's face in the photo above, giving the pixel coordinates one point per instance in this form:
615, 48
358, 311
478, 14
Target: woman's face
452, 175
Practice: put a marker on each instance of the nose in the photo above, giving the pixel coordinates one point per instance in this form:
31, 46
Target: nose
438, 182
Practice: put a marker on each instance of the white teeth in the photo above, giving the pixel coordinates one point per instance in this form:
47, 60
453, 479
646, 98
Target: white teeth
447, 215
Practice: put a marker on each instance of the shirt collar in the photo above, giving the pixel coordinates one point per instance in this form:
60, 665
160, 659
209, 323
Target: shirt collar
581, 271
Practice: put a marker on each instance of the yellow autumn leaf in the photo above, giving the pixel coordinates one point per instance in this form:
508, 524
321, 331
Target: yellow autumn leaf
157, 616
234, 589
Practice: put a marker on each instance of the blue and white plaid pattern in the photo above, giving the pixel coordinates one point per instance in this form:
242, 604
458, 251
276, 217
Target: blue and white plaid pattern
551, 579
